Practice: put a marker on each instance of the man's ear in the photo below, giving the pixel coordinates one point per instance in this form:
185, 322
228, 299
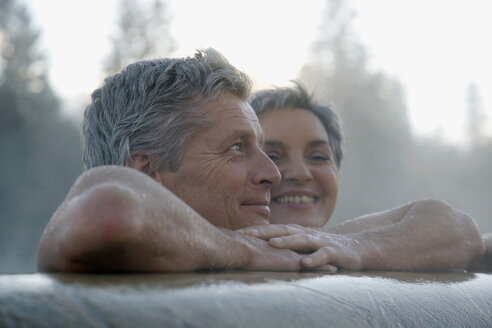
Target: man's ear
143, 163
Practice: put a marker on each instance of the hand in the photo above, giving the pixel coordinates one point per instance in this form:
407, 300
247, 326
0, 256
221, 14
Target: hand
268, 258
343, 251
263, 257
269, 231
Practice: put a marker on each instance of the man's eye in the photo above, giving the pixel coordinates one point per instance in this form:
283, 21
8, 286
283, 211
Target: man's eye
236, 147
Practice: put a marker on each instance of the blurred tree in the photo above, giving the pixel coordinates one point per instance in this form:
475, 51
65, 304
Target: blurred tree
378, 141
143, 33
385, 164
475, 114
40, 149
475, 184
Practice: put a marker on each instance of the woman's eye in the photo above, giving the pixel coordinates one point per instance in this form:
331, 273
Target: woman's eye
319, 158
274, 157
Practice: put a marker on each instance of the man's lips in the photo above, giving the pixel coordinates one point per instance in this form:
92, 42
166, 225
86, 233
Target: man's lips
257, 200
260, 206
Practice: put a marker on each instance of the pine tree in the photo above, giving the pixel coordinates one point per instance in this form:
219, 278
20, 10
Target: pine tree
475, 115
378, 140
40, 150
143, 33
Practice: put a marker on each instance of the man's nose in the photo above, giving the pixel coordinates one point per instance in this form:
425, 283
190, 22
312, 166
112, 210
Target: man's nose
266, 171
296, 171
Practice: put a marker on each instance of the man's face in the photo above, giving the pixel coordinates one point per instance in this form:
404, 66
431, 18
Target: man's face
224, 174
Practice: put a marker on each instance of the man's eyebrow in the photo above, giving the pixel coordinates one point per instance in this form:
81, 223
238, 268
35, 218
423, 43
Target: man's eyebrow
237, 135
240, 134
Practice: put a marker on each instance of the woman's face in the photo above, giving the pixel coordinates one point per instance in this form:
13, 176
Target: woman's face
298, 144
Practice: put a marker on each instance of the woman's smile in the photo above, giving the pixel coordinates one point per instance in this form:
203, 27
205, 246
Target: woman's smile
298, 144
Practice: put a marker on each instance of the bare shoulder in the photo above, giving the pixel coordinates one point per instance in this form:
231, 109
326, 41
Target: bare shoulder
433, 204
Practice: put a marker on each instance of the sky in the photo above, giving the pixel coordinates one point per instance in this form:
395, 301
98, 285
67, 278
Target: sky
436, 48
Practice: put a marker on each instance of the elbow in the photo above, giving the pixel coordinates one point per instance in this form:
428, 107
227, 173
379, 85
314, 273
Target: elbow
457, 229
442, 215
91, 229
431, 205
466, 231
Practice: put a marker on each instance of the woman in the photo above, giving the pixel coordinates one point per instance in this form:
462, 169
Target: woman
304, 140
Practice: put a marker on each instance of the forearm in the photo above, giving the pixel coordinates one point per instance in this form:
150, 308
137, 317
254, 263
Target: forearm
371, 221
423, 235
132, 225
430, 235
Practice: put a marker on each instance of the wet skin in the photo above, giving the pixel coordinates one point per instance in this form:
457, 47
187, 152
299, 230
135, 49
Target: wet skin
225, 176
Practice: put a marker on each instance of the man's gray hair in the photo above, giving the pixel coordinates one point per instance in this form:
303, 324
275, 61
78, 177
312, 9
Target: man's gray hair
152, 107
298, 98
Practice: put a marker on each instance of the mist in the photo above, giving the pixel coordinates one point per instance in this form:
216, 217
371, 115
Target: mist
386, 163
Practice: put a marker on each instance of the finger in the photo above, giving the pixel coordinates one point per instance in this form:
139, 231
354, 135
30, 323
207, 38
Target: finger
268, 231
327, 268
321, 257
270, 259
298, 242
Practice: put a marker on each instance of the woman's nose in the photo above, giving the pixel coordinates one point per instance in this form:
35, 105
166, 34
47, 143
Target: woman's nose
296, 171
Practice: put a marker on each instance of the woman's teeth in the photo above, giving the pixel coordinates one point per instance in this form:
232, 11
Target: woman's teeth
294, 199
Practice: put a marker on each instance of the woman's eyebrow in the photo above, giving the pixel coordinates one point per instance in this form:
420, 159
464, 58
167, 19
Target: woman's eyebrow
273, 143
319, 142
261, 138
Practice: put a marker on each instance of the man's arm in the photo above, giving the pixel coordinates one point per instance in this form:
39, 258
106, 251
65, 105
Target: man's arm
422, 235
116, 219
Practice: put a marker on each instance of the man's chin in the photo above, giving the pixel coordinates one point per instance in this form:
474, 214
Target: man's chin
249, 222
258, 211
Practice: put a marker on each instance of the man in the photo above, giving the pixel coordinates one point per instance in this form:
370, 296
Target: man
184, 124
175, 165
